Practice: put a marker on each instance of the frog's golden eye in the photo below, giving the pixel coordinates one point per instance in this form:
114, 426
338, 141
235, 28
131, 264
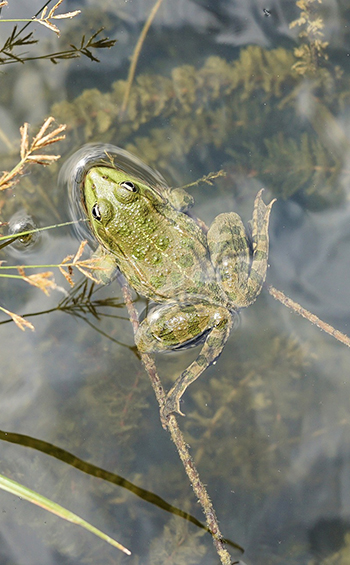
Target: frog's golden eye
129, 185
95, 211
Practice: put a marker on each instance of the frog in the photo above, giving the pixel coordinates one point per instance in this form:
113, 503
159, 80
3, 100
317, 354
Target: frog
196, 278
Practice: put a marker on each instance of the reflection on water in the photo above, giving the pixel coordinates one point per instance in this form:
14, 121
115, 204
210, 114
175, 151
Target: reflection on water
268, 424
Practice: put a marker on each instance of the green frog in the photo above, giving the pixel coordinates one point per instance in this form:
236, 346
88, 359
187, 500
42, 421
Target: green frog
198, 278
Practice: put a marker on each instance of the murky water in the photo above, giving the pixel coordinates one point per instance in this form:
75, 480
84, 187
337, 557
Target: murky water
268, 424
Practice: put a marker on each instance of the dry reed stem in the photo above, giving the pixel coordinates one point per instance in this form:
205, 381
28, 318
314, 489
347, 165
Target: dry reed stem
43, 281
45, 19
136, 54
22, 323
27, 150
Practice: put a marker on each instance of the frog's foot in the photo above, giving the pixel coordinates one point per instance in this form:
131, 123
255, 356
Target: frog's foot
171, 325
170, 406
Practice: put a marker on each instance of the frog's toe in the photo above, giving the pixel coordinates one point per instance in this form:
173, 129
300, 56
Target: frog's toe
170, 406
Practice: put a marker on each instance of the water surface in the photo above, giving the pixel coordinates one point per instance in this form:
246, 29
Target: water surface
268, 424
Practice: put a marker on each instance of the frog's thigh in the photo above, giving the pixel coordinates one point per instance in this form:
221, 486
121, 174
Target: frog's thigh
230, 255
172, 325
241, 278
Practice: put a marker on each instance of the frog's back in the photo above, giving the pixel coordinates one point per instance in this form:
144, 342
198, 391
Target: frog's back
169, 259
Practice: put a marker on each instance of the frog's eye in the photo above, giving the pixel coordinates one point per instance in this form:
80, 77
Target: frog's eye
129, 185
95, 211
102, 211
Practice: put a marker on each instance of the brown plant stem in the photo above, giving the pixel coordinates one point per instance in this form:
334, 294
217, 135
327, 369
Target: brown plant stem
136, 54
281, 297
181, 446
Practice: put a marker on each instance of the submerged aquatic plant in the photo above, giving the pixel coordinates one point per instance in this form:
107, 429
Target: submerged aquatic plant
249, 109
313, 48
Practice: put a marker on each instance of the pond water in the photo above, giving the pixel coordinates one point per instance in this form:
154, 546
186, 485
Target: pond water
218, 85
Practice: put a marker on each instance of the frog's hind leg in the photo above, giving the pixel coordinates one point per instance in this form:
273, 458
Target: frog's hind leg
241, 271
210, 351
171, 326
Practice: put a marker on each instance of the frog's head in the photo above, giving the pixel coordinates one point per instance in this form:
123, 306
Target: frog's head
113, 197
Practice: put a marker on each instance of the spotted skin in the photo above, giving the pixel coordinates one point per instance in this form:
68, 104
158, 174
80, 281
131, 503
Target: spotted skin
197, 280
240, 277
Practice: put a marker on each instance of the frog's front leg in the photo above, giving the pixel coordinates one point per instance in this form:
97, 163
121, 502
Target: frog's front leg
175, 325
105, 266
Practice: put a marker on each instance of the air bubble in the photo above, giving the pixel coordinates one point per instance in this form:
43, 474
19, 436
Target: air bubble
20, 222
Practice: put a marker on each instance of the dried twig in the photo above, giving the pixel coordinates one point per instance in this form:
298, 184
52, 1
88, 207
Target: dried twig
45, 18
281, 297
181, 446
86, 266
22, 323
208, 179
43, 281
